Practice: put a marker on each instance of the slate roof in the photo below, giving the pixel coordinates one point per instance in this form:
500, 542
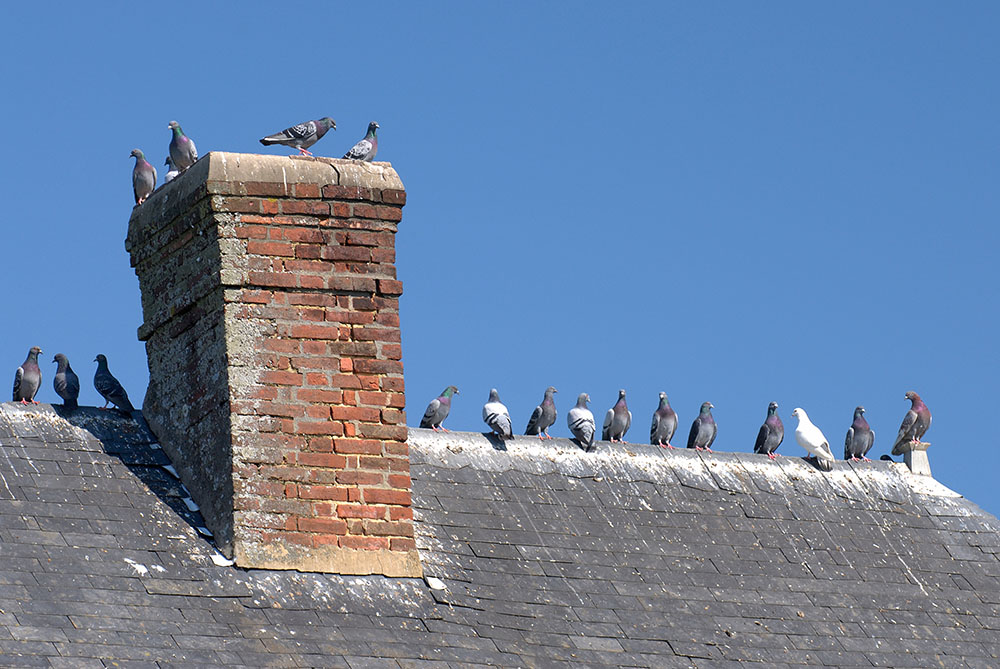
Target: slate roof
631, 556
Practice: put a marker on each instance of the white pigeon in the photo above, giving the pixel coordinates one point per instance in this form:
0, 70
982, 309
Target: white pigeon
172, 174
581, 422
811, 438
496, 416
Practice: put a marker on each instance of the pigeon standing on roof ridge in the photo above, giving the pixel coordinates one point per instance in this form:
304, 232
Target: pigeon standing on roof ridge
143, 177
301, 136
543, 417
915, 423
812, 439
581, 423
771, 434
617, 421
28, 378
496, 416
366, 149
172, 170
664, 424
66, 383
183, 152
110, 388
860, 437
438, 410
703, 429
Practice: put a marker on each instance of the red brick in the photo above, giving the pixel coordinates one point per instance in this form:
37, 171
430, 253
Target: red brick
256, 296
262, 248
288, 537
251, 232
383, 432
358, 284
361, 511
373, 398
306, 190
384, 496
303, 235
312, 299
335, 493
385, 213
400, 513
273, 279
391, 196
383, 254
368, 366
266, 188
400, 481
364, 211
390, 287
320, 444
308, 208
357, 253
402, 544
310, 266
269, 206
341, 209
281, 378
357, 446
308, 251
324, 525
391, 351
279, 409
364, 543
315, 331
282, 345
238, 205
388, 528
318, 427
318, 411
376, 334
354, 413
332, 191
323, 460
318, 395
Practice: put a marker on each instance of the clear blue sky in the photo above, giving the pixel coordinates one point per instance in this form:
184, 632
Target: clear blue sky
734, 202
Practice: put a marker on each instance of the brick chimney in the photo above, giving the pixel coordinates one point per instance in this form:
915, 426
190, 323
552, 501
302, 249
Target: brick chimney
271, 322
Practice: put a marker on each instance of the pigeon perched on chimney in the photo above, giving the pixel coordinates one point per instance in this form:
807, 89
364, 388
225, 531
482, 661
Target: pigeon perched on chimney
438, 410
771, 434
172, 171
301, 136
915, 423
543, 416
664, 424
496, 416
581, 422
811, 438
182, 149
617, 421
28, 378
143, 177
110, 388
703, 429
860, 437
66, 382
366, 149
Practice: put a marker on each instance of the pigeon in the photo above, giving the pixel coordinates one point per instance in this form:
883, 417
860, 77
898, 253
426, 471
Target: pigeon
66, 382
543, 416
811, 439
109, 387
143, 177
581, 422
301, 136
172, 172
182, 150
771, 434
664, 424
367, 148
703, 429
860, 438
617, 421
28, 378
915, 423
438, 410
497, 417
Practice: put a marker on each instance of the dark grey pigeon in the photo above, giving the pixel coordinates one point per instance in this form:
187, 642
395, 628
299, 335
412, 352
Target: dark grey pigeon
543, 416
143, 177
581, 422
438, 410
703, 429
66, 382
860, 437
28, 378
915, 423
771, 434
109, 387
617, 421
497, 417
366, 149
182, 149
664, 424
301, 136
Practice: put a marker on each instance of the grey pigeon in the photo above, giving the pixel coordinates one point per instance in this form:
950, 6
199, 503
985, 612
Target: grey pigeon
860, 437
543, 416
109, 387
496, 416
143, 177
703, 429
301, 136
438, 410
182, 149
581, 422
664, 424
915, 423
617, 421
172, 171
366, 149
66, 382
771, 434
813, 440
28, 378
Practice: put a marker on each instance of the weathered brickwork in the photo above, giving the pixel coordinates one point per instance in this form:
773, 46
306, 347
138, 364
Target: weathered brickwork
271, 322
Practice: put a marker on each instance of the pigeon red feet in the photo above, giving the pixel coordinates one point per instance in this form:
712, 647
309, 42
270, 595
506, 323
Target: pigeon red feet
303, 152
772, 456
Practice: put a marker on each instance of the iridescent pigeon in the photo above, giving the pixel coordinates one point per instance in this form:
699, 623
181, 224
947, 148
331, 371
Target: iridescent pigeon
66, 382
109, 387
28, 378
771, 434
543, 416
581, 422
811, 438
915, 423
172, 171
367, 148
301, 136
617, 421
497, 417
703, 429
182, 149
664, 424
860, 437
438, 410
143, 177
